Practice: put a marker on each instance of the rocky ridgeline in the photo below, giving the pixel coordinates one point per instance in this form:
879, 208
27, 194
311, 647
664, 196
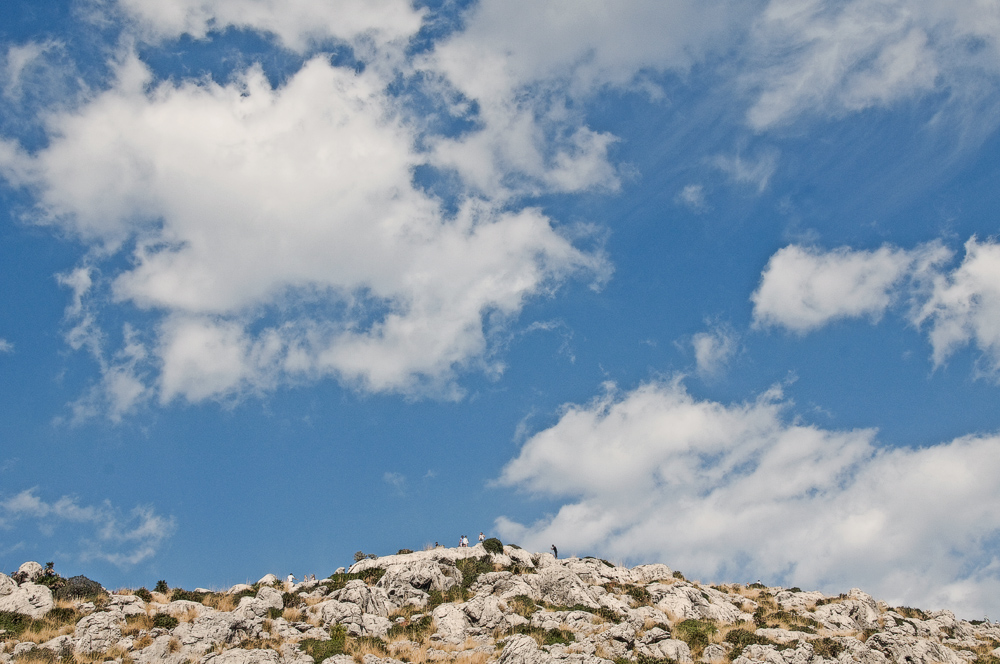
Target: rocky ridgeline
475, 607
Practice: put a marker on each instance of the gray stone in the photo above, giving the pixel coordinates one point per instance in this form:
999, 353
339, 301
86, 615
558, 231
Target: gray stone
28, 598
241, 656
30, 571
129, 605
98, 631
267, 580
687, 601
557, 585
452, 624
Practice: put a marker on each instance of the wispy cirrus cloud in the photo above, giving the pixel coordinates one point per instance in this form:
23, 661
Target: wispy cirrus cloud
96, 532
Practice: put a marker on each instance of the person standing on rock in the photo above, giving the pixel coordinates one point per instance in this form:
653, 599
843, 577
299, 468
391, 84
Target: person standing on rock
290, 581
482, 538
555, 551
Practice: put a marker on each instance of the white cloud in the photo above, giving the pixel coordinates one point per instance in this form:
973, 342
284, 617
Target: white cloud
103, 532
749, 171
299, 24
728, 492
803, 289
963, 306
528, 65
692, 196
279, 237
827, 58
6, 346
714, 349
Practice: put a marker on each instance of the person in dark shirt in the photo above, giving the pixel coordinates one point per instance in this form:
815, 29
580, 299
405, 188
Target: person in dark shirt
555, 551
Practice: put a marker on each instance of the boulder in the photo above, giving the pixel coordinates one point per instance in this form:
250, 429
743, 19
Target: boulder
241, 656
29, 599
521, 649
332, 612
557, 585
686, 600
371, 600
405, 583
129, 605
452, 624
7, 585
912, 650
645, 574
267, 580
856, 613
98, 631
29, 571
239, 588
217, 627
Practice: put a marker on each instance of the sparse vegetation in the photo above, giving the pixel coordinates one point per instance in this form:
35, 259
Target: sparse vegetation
696, 633
493, 545
162, 587
165, 621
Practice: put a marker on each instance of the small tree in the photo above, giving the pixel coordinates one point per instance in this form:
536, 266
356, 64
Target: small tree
162, 587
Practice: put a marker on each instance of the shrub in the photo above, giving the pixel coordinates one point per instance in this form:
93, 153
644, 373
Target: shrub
144, 595
274, 613
695, 633
80, 587
547, 637
290, 601
369, 576
162, 587
471, 568
493, 545
320, 650
188, 595
414, 631
638, 593
522, 605
759, 586
678, 575
741, 638
165, 621
14, 623
827, 648
403, 552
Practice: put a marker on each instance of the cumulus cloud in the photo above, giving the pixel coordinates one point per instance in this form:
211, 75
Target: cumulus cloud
714, 349
744, 491
834, 58
6, 346
103, 531
527, 66
298, 24
963, 306
802, 288
278, 236
692, 196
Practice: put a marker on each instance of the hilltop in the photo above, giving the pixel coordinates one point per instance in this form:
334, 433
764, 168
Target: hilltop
476, 605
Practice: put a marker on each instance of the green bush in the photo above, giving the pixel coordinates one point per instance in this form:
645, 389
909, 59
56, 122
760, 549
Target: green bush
548, 637
414, 631
144, 595
320, 650
493, 545
678, 575
696, 633
187, 595
14, 623
471, 568
162, 587
403, 552
165, 621
338, 581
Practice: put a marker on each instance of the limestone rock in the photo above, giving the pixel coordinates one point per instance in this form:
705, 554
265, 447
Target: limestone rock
556, 585
129, 605
714, 653
371, 600
645, 574
332, 612
405, 583
522, 649
452, 624
911, 650
858, 612
238, 588
29, 571
797, 601
216, 627
60, 645
7, 585
267, 580
98, 631
28, 598
241, 656
503, 584
685, 601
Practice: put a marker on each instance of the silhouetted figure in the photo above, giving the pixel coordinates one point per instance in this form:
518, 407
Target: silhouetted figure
555, 551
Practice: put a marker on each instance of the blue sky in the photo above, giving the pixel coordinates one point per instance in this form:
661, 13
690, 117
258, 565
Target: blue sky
714, 284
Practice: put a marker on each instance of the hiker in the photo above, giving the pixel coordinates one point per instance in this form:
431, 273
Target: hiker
290, 581
555, 551
482, 538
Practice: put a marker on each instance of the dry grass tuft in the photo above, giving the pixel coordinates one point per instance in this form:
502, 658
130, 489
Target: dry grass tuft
220, 602
292, 614
136, 624
142, 642
174, 644
189, 615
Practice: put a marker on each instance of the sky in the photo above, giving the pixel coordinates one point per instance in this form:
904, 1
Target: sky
701, 282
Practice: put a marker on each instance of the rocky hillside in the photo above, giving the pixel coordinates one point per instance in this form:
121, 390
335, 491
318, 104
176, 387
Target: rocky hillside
474, 606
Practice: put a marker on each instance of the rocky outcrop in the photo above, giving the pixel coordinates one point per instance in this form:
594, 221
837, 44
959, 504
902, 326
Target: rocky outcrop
520, 608
30, 599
